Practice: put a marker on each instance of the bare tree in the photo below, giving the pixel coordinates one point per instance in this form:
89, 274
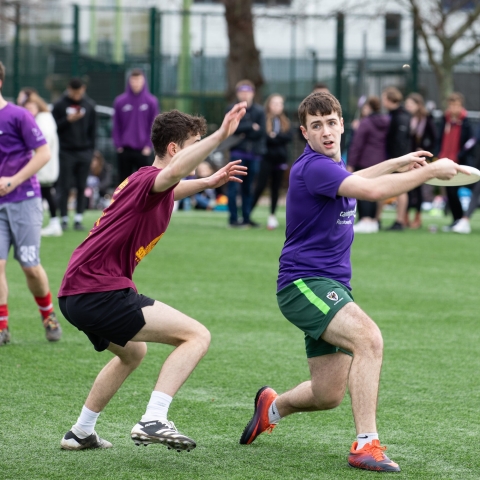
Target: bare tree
441, 25
243, 58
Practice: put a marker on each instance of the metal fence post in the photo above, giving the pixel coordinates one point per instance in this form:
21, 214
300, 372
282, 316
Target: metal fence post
16, 53
153, 50
414, 79
76, 40
340, 55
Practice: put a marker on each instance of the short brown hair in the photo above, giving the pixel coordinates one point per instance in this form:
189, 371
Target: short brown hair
320, 103
393, 94
176, 127
374, 103
418, 99
456, 97
2, 72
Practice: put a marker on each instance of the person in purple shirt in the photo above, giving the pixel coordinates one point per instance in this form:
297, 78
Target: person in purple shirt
343, 345
21, 212
134, 113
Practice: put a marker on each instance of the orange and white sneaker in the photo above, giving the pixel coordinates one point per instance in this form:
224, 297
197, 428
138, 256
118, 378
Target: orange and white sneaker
259, 422
371, 457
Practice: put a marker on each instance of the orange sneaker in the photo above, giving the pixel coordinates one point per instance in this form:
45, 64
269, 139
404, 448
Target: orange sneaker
371, 457
259, 422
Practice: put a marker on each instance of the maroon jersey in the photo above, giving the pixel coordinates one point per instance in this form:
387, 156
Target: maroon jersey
127, 230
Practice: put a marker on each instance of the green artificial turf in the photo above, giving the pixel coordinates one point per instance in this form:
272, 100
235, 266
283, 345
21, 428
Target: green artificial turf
420, 287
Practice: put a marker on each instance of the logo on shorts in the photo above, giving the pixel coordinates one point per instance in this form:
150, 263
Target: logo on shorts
332, 296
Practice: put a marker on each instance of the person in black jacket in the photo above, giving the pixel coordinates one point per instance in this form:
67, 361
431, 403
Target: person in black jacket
423, 136
75, 115
250, 150
274, 163
398, 142
456, 142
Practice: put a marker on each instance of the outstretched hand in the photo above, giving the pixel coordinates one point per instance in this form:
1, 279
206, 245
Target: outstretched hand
446, 169
232, 119
227, 174
412, 160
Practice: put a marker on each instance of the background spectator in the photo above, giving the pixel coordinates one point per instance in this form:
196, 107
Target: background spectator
368, 148
134, 113
48, 174
398, 142
74, 113
274, 162
99, 182
250, 150
205, 200
423, 136
456, 143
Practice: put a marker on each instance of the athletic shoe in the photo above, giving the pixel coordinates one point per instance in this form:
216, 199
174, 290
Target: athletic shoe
462, 226
164, 432
53, 330
365, 226
64, 225
78, 227
449, 228
371, 457
236, 224
259, 422
52, 230
71, 442
272, 222
396, 226
4, 336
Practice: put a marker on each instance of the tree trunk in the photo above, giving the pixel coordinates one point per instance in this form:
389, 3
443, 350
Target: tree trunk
243, 59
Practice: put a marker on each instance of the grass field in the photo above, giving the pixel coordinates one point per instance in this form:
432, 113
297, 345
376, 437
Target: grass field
421, 288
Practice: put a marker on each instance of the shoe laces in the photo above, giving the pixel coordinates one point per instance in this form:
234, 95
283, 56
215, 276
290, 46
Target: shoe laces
376, 450
50, 322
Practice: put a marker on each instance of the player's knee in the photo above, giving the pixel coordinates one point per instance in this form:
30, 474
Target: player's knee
135, 354
32, 273
374, 341
203, 337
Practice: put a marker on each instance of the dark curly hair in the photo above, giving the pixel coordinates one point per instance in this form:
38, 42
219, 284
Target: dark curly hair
176, 127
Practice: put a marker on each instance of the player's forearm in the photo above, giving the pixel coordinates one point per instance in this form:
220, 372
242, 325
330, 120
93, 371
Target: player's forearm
39, 159
383, 168
387, 186
187, 188
189, 158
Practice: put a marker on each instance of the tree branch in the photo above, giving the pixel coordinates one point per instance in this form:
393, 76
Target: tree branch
468, 23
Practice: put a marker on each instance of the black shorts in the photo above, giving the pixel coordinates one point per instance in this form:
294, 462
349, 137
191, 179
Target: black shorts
115, 316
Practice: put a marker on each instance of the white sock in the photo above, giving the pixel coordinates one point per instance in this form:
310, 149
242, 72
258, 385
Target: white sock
86, 421
78, 218
273, 415
54, 221
157, 408
365, 438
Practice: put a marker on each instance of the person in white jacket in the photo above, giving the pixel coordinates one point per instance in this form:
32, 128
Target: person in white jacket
47, 175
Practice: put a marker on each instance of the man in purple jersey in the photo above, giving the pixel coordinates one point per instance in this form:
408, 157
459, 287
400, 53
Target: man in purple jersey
343, 345
21, 212
98, 295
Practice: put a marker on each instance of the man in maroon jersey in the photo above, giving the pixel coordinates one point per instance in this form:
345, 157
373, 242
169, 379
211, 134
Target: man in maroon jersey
98, 295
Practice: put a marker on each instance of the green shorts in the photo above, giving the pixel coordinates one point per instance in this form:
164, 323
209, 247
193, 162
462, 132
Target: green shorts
310, 304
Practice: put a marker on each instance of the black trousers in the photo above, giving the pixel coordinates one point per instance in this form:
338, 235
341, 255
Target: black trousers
269, 171
48, 196
454, 203
129, 161
366, 209
74, 169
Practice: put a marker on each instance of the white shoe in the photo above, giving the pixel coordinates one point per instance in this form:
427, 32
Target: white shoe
72, 442
366, 226
272, 222
52, 230
462, 226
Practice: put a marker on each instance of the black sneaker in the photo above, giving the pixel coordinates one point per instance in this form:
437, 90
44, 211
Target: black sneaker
78, 227
71, 442
4, 336
53, 330
165, 432
236, 224
396, 226
251, 224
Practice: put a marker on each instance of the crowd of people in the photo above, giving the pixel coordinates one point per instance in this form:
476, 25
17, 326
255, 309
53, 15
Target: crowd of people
409, 127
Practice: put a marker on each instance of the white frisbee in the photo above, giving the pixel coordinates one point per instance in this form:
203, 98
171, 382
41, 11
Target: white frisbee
459, 179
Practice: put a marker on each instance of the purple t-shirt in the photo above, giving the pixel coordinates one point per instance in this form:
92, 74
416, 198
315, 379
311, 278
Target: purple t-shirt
19, 135
127, 231
319, 222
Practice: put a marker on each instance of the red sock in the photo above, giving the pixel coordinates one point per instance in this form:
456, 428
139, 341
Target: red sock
3, 317
45, 305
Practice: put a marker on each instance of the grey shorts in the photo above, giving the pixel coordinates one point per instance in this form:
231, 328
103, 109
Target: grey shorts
20, 225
